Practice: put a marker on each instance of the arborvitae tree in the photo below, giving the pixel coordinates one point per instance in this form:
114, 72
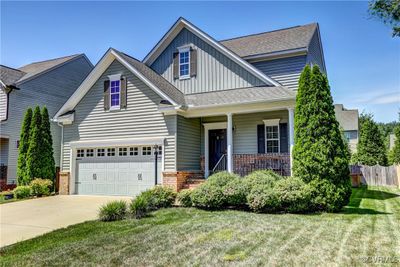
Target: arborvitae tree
320, 157
371, 149
395, 152
34, 162
48, 171
22, 176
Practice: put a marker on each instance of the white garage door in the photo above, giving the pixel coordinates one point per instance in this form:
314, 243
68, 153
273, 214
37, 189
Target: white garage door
116, 171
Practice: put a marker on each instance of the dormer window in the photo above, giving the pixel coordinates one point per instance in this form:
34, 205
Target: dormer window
184, 63
115, 91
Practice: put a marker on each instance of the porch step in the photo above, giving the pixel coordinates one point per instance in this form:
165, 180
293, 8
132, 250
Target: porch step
192, 183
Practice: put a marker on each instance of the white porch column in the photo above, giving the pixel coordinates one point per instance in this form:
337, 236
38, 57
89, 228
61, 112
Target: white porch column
229, 134
291, 136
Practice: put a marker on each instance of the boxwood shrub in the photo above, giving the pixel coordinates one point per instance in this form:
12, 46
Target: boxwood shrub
113, 211
266, 178
184, 198
294, 195
41, 187
22, 191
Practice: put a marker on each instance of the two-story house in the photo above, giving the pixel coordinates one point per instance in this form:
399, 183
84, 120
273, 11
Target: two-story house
199, 104
48, 83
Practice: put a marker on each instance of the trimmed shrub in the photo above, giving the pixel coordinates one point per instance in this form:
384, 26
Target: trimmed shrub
221, 178
261, 178
208, 196
294, 195
184, 198
22, 191
263, 199
326, 196
235, 193
139, 207
41, 187
113, 211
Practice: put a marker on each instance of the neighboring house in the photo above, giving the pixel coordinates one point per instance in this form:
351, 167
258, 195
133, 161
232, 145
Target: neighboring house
49, 83
348, 121
205, 105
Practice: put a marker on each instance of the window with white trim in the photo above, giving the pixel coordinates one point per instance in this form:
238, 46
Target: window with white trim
110, 152
159, 151
272, 140
133, 151
90, 152
101, 152
115, 94
146, 150
184, 63
123, 151
80, 153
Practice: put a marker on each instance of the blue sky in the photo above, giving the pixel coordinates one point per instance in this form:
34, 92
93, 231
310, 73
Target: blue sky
363, 60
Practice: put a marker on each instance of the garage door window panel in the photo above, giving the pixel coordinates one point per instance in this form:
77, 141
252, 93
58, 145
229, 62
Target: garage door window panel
110, 152
80, 153
90, 153
146, 151
101, 152
122, 151
134, 151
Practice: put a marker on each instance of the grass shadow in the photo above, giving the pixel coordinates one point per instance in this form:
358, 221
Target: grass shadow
379, 195
361, 211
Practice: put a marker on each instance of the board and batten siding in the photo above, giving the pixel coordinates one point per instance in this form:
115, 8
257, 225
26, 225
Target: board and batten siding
314, 55
284, 70
188, 143
245, 129
215, 71
51, 89
3, 105
141, 118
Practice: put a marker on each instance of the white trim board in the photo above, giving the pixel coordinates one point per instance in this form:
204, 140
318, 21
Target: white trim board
96, 73
183, 23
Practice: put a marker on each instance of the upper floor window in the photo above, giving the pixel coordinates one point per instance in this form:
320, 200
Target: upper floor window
184, 63
115, 94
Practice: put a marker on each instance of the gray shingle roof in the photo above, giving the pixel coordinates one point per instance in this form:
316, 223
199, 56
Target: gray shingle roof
274, 41
240, 96
42, 66
9, 75
155, 78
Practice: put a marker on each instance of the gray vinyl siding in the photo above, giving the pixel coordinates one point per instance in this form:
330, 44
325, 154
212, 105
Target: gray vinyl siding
315, 54
284, 70
215, 71
3, 105
51, 89
188, 143
140, 119
245, 129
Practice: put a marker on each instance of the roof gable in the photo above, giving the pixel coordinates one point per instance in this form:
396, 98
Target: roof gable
181, 24
144, 73
9, 76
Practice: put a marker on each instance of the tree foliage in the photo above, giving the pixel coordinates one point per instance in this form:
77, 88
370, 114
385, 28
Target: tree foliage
388, 11
395, 152
371, 149
34, 160
319, 153
48, 171
22, 175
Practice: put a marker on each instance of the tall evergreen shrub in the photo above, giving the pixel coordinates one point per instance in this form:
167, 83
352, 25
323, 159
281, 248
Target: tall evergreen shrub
34, 162
22, 176
395, 152
320, 157
371, 149
48, 170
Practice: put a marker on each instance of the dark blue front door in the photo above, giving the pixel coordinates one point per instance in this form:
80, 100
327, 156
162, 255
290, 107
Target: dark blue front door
217, 146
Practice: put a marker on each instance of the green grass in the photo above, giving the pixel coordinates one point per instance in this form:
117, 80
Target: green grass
369, 226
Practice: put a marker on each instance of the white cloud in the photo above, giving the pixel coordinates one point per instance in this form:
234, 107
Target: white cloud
379, 99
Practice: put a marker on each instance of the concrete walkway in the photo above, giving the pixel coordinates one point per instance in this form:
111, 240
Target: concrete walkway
29, 218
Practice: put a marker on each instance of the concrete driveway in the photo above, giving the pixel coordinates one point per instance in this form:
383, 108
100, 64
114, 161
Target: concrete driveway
29, 218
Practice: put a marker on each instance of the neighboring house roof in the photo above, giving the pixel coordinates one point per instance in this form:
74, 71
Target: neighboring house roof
9, 76
240, 96
155, 78
274, 41
347, 118
139, 69
183, 23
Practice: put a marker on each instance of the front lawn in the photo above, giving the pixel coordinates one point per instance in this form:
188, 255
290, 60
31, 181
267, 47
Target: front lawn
368, 227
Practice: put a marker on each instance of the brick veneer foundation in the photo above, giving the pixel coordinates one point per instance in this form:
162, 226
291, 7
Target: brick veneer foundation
64, 183
178, 179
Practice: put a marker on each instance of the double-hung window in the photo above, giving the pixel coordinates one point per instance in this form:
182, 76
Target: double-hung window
272, 141
184, 63
115, 91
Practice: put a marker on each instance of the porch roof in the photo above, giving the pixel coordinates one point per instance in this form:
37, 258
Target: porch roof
240, 96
